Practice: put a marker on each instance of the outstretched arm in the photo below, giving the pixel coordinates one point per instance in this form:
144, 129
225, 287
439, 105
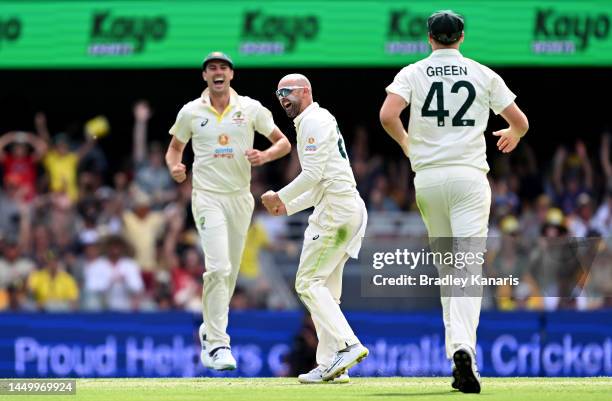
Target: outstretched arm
390, 119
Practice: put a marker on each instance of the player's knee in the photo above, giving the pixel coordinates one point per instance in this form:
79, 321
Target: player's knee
219, 272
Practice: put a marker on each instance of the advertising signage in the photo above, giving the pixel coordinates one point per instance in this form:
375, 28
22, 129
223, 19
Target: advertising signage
270, 33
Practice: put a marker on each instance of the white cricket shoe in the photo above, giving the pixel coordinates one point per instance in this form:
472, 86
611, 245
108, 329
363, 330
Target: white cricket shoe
221, 358
344, 360
316, 376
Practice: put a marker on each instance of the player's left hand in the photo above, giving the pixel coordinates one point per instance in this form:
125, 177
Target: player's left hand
256, 157
508, 140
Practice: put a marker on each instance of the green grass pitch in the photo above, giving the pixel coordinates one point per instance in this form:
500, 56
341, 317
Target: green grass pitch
372, 389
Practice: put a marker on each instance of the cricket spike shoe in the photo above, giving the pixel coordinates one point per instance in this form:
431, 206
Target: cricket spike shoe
315, 376
344, 360
218, 359
469, 378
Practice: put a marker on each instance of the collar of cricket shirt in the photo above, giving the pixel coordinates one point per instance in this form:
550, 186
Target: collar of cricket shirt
232, 102
445, 52
307, 110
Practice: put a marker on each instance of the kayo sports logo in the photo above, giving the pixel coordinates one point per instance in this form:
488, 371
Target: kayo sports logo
120, 35
407, 33
276, 34
10, 29
562, 32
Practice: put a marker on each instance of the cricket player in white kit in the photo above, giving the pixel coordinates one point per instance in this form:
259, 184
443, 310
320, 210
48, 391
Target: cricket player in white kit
450, 97
335, 229
221, 125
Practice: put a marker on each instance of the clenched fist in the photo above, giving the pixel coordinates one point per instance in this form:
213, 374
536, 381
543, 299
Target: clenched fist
179, 172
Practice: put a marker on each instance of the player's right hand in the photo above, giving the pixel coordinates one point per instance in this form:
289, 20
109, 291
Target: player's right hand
508, 140
179, 173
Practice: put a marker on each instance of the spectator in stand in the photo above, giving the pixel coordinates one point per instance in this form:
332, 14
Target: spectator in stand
52, 288
187, 280
15, 212
151, 176
533, 218
60, 162
579, 222
602, 221
379, 200
142, 227
572, 176
505, 201
113, 281
19, 164
14, 271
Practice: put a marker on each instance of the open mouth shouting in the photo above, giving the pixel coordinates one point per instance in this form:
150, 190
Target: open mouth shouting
218, 82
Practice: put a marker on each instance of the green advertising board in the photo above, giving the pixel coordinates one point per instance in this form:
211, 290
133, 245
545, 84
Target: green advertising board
269, 33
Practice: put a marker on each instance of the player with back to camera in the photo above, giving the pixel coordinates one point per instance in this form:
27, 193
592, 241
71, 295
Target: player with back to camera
450, 97
335, 229
221, 126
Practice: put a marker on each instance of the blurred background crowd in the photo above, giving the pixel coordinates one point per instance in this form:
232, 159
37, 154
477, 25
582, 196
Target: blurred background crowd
78, 233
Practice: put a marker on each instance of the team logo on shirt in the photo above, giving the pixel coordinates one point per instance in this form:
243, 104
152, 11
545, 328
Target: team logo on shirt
311, 147
238, 118
225, 151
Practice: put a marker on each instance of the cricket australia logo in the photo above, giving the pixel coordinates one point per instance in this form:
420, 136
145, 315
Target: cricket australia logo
202, 222
238, 118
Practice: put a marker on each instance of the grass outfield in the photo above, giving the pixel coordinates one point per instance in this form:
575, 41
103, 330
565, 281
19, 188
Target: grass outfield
374, 389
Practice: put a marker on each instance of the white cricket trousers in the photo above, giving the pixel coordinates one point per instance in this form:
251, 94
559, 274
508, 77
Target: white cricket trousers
334, 233
222, 220
454, 202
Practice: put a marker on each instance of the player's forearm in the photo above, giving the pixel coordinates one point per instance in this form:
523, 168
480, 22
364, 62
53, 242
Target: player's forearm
394, 127
173, 157
304, 182
278, 149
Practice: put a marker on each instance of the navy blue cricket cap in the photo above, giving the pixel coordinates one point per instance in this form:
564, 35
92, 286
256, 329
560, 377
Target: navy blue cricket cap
445, 26
217, 56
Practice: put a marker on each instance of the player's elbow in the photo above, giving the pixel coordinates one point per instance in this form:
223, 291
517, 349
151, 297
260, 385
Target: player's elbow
285, 147
387, 117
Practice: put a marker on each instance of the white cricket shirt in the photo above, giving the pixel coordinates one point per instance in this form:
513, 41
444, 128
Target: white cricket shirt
325, 166
220, 140
449, 97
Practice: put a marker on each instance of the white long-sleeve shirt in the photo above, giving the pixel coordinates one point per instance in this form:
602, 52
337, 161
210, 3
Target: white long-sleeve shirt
325, 166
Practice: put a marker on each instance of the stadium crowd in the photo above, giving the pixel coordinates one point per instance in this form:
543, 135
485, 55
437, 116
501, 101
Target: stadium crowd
77, 234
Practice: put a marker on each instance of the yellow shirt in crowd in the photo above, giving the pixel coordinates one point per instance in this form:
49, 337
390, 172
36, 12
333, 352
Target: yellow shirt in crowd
47, 288
62, 170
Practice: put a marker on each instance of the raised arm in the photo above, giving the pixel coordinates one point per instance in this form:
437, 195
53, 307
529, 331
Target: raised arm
585, 164
142, 114
390, 119
604, 155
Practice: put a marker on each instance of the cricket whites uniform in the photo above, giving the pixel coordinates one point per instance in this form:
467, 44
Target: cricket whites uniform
335, 229
222, 203
450, 97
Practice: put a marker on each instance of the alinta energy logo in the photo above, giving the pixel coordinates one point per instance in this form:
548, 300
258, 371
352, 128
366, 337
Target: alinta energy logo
264, 33
10, 30
120, 35
406, 33
558, 32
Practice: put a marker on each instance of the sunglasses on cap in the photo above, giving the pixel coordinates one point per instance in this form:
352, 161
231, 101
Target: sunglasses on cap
284, 92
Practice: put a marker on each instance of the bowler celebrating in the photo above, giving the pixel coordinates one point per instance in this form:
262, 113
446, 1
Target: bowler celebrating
335, 229
221, 125
450, 97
